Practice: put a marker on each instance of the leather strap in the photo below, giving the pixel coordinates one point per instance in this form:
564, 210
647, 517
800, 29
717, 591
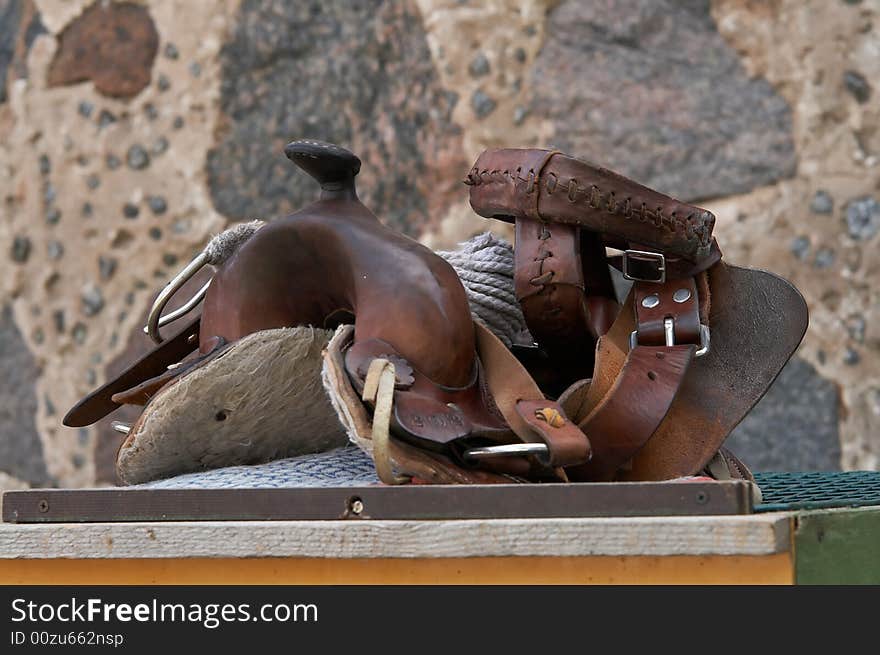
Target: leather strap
649, 379
656, 304
143, 392
549, 284
100, 403
512, 183
379, 390
514, 392
505, 183
437, 417
631, 411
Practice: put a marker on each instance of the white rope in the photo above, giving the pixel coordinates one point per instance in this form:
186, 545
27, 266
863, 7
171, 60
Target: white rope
485, 266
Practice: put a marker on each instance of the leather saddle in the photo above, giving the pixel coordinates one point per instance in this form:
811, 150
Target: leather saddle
602, 390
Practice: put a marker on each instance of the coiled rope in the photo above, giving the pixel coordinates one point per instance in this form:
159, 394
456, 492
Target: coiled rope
485, 266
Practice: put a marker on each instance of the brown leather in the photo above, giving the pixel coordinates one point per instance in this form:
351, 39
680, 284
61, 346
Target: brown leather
565, 440
100, 403
425, 412
632, 408
429, 467
141, 393
757, 320
511, 388
342, 259
334, 259
511, 183
549, 285
626, 418
640, 403
651, 317
506, 184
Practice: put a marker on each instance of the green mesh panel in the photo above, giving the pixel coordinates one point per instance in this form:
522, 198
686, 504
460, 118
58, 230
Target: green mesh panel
784, 491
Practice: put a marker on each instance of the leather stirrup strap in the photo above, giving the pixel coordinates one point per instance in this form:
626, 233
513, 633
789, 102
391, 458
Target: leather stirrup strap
549, 285
520, 402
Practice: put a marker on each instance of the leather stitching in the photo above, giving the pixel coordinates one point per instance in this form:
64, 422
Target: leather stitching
695, 226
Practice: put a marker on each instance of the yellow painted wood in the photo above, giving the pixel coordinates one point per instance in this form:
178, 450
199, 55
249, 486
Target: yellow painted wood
716, 569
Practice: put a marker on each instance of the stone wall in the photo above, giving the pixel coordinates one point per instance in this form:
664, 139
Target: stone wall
132, 131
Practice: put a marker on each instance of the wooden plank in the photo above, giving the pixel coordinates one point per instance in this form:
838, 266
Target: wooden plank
838, 546
763, 534
380, 502
713, 569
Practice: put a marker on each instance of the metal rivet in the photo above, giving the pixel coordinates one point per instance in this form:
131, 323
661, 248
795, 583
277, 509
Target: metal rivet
651, 301
681, 295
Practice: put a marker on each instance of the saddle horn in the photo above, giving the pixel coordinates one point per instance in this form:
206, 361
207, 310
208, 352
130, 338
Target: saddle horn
332, 166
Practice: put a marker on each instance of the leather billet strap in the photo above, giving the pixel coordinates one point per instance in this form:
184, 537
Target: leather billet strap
545, 185
549, 284
100, 403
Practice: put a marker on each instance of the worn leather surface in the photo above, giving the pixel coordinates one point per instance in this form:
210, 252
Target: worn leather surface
650, 317
628, 415
424, 412
757, 320
549, 284
334, 256
141, 393
566, 441
509, 385
651, 410
647, 410
510, 183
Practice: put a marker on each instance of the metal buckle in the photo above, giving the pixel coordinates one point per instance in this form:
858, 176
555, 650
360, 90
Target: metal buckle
669, 333
654, 257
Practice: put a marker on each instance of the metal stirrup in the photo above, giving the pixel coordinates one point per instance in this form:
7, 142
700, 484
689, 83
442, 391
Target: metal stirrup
155, 320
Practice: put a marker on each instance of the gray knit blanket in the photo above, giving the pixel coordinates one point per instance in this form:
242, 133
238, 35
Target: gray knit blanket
341, 467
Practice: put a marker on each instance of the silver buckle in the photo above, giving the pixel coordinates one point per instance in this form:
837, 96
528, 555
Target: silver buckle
669, 333
644, 255
155, 320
